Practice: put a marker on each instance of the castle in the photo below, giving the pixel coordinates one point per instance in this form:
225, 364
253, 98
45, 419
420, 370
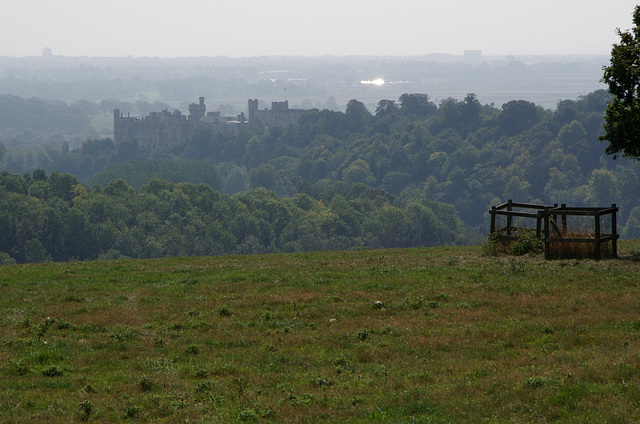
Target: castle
165, 129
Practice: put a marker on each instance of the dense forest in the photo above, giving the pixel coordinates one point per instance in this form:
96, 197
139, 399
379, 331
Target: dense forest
56, 218
411, 173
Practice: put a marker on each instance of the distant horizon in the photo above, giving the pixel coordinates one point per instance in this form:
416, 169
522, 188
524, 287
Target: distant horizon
319, 56
255, 28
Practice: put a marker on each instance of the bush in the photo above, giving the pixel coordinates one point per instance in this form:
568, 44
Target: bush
527, 243
6, 259
492, 246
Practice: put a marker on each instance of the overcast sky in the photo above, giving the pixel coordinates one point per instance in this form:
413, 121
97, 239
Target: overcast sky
172, 28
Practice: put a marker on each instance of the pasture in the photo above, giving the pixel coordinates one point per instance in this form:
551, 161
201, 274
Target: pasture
433, 335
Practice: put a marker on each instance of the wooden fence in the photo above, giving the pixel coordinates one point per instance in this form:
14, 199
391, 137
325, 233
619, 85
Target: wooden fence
555, 237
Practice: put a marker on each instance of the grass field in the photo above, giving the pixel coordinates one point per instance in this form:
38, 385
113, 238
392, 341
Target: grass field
419, 335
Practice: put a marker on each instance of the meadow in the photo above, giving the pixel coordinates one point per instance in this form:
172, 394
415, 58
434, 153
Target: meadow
433, 335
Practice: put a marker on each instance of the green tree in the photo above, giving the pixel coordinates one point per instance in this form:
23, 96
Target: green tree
203, 143
236, 181
450, 112
603, 188
518, 116
386, 107
264, 175
517, 190
357, 115
573, 138
632, 228
622, 117
470, 110
358, 172
416, 104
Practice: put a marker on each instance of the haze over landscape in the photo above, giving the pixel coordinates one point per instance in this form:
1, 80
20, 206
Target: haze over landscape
361, 27
319, 211
437, 111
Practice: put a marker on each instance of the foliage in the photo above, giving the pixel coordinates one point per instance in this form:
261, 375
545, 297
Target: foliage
622, 126
322, 337
460, 153
528, 242
525, 242
492, 246
55, 218
139, 173
41, 115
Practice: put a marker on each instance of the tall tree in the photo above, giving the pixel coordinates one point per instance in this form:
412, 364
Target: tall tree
416, 104
357, 115
622, 117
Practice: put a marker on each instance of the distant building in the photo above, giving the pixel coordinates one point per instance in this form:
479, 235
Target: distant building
165, 129
46, 52
279, 114
156, 131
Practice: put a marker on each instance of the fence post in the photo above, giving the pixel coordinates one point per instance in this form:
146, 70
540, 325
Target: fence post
547, 254
493, 219
597, 228
614, 231
509, 217
564, 220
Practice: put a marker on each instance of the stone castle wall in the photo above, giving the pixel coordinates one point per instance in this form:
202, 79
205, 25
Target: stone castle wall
165, 129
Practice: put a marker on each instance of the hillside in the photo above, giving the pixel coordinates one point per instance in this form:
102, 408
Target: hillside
414, 174
417, 335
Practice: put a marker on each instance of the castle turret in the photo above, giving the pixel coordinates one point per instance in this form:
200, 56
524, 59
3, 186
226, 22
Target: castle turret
197, 111
253, 110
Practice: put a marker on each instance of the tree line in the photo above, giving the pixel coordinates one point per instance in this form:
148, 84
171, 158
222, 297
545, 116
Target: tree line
458, 155
56, 218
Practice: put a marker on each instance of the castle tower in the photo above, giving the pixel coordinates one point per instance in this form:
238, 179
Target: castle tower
197, 111
253, 110
117, 126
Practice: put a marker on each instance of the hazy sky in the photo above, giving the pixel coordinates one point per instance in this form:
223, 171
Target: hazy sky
170, 28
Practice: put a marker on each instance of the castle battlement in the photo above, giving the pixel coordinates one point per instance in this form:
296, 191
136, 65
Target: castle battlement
166, 129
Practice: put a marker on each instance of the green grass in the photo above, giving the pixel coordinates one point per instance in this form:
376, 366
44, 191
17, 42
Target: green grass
102, 124
418, 335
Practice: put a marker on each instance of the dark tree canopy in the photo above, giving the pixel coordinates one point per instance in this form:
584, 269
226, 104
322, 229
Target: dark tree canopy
416, 104
357, 115
622, 117
386, 107
518, 116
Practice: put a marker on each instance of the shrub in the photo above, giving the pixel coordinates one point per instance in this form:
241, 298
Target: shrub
527, 243
5, 259
492, 246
